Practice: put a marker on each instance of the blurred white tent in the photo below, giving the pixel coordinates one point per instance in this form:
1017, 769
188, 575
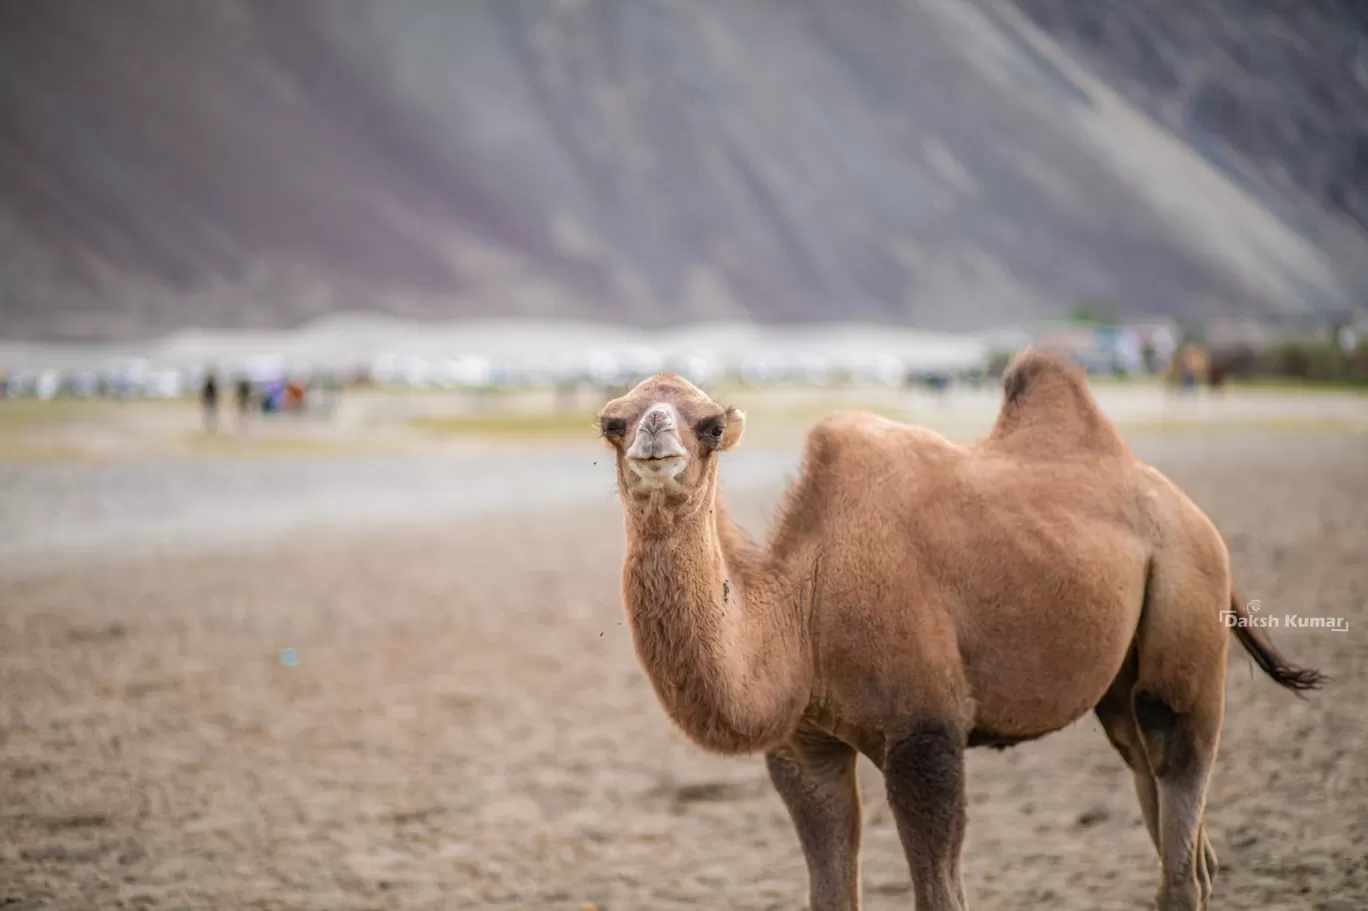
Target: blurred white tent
466, 353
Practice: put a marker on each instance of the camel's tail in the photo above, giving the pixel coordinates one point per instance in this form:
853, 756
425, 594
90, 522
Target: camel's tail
1267, 657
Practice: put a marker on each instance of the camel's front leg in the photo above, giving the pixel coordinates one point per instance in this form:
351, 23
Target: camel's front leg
815, 777
924, 770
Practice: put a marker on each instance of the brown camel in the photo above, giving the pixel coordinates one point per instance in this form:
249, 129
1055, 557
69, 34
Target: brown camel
919, 597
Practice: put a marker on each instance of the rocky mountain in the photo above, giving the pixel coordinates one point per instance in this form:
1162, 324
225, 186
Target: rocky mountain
1275, 93
944, 164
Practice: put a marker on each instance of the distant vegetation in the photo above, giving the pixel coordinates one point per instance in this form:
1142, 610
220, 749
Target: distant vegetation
1313, 361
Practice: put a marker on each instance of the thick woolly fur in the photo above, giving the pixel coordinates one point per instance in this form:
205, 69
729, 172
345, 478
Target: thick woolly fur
916, 597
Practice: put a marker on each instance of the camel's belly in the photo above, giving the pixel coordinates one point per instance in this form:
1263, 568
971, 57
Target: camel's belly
1012, 648
1045, 678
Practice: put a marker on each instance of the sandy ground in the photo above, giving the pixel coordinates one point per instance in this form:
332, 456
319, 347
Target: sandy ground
86, 481
466, 726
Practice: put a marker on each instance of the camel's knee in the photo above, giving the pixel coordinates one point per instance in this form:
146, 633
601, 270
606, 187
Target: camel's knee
809, 761
924, 770
1174, 743
817, 781
785, 771
1158, 724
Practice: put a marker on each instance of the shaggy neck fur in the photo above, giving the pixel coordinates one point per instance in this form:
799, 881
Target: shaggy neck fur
718, 631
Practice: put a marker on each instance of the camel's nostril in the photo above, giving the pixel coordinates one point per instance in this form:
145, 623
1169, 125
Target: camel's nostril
657, 422
658, 415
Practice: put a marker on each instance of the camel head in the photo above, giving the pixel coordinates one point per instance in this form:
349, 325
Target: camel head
666, 433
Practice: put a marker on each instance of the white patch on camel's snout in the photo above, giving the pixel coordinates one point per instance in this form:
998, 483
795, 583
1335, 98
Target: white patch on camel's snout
656, 455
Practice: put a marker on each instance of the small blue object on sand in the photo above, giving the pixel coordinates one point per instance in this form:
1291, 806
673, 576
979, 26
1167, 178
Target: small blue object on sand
288, 657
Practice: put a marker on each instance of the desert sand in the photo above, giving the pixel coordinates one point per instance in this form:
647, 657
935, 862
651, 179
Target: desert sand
462, 723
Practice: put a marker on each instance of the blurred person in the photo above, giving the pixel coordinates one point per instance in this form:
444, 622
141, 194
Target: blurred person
1195, 369
209, 398
244, 399
1187, 365
293, 395
273, 396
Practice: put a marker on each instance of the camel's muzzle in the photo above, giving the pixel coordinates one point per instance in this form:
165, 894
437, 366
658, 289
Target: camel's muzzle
656, 451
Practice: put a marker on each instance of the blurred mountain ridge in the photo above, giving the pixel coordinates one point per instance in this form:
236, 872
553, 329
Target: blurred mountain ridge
947, 164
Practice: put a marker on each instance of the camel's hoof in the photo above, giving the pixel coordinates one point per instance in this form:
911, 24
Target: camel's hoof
1206, 869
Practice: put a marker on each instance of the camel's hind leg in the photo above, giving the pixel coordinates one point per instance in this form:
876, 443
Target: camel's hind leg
1122, 730
1181, 750
1118, 722
816, 778
1178, 702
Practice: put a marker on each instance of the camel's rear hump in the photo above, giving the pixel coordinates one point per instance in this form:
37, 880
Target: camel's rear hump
1048, 410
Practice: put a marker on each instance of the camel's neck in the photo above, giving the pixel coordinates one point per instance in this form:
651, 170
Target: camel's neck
720, 633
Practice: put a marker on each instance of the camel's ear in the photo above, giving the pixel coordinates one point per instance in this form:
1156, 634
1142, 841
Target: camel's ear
731, 434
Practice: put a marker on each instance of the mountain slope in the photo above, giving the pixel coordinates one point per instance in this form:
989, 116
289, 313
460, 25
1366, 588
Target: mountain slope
941, 164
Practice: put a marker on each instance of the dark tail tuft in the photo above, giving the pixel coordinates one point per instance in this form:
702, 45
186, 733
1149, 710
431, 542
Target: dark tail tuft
1267, 657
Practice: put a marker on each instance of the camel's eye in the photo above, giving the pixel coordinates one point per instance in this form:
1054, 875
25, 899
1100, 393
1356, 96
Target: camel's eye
613, 427
711, 429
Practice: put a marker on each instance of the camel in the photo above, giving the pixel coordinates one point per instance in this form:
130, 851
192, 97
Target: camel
918, 597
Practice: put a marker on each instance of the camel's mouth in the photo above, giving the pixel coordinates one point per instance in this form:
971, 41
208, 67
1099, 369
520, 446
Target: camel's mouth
657, 467
655, 461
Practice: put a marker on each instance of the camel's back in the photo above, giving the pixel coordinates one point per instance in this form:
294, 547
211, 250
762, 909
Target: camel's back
1053, 480
861, 469
1052, 466
876, 493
